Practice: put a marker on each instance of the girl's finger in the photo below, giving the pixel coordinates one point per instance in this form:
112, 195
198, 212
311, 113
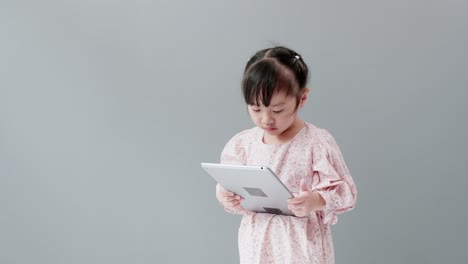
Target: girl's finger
228, 194
294, 207
296, 200
233, 198
233, 203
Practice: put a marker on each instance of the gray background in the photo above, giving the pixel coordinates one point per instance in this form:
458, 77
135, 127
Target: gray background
108, 107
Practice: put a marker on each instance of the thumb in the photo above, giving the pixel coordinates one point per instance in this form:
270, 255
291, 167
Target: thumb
303, 186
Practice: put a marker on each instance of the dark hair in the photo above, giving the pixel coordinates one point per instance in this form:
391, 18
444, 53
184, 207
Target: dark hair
271, 71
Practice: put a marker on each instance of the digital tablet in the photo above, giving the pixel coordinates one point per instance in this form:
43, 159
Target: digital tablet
262, 190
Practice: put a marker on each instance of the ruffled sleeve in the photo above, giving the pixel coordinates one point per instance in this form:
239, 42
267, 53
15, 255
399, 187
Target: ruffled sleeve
332, 179
233, 153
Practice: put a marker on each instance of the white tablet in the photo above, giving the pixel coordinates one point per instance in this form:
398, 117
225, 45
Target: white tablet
262, 190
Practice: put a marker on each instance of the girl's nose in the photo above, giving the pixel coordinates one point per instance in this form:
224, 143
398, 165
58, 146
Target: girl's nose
267, 119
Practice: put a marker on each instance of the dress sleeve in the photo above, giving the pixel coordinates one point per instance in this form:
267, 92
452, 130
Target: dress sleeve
233, 153
332, 179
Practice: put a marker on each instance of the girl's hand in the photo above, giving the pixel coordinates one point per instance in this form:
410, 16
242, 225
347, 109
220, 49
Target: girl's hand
227, 198
306, 202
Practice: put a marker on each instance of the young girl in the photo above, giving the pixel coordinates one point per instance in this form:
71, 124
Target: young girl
306, 159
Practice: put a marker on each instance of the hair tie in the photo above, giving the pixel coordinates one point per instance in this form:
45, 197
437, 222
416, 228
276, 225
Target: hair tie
297, 57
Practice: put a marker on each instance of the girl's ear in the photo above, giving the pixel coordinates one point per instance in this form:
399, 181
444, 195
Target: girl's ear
304, 95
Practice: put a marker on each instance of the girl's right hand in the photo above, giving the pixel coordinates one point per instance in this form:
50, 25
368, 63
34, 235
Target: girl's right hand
227, 198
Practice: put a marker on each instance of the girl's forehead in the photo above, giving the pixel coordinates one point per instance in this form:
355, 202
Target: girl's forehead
280, 97
277, 99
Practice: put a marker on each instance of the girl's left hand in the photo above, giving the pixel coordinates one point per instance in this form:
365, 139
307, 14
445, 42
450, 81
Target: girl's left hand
306, 202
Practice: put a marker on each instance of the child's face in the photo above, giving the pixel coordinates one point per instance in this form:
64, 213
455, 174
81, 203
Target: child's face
278, 116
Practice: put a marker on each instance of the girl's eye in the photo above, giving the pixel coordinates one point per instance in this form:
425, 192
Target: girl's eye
256, 110
277, 112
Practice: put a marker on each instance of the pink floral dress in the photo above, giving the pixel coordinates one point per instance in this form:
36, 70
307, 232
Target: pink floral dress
312, 154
